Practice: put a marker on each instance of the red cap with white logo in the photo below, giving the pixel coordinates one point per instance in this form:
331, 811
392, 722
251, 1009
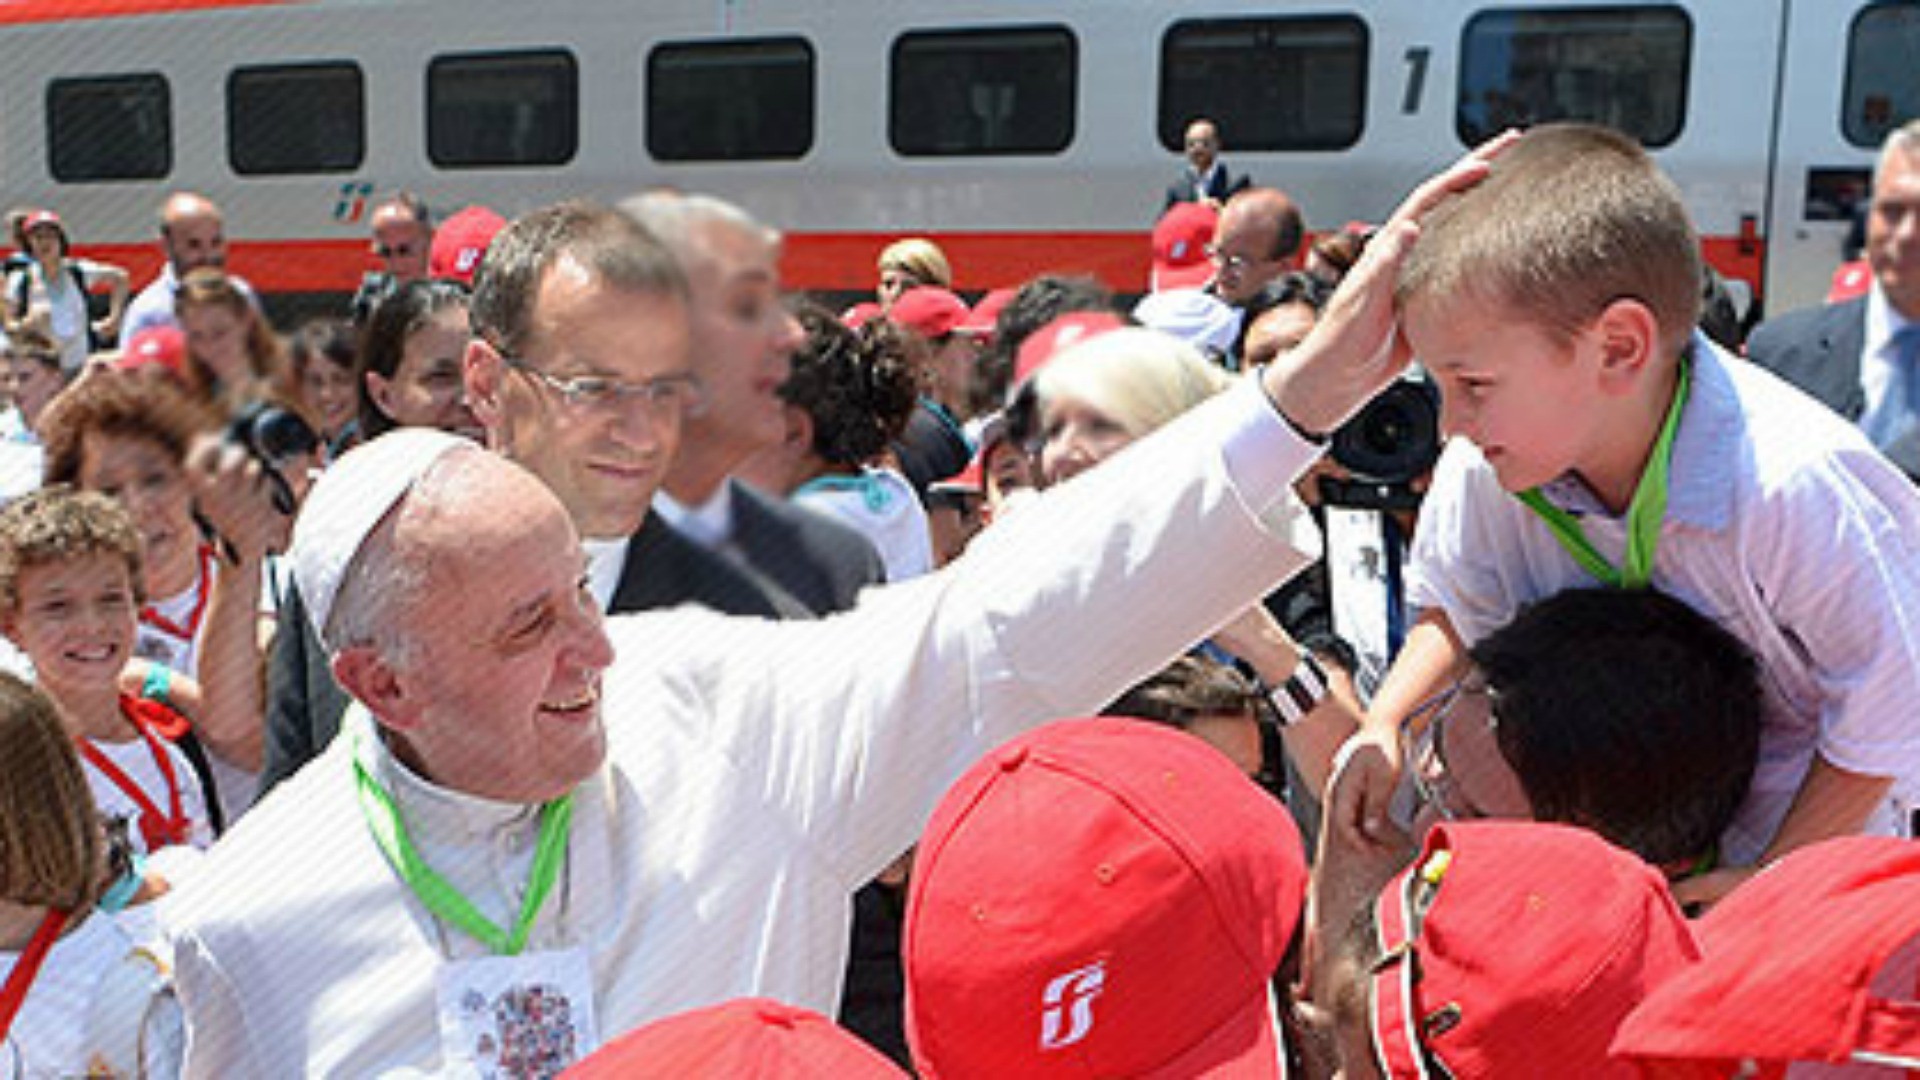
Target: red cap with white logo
743, 1039
461, 242
1101, 898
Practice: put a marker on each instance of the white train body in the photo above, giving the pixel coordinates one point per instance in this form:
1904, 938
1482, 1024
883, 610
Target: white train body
1024, 136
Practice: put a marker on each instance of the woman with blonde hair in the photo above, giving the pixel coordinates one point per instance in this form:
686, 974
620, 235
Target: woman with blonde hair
78, 998
1104, 393
909, 263
233, 356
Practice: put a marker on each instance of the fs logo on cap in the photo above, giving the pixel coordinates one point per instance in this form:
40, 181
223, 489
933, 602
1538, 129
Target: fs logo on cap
1070, 995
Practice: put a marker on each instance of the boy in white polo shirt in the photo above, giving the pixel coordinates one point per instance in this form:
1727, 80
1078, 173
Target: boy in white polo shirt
1602, 439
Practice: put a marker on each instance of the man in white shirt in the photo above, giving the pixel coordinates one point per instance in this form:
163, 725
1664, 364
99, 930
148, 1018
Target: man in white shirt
1862, 357
484, 862
193, 233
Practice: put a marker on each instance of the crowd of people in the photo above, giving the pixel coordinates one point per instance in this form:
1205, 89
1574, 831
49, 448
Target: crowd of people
582, 654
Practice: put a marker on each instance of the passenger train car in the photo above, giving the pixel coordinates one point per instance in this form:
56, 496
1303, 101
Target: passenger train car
1024, 135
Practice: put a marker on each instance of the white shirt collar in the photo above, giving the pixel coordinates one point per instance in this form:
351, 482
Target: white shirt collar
709, 524
605, 560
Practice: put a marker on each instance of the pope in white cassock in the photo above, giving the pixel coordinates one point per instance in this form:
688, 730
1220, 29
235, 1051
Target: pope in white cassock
540, 829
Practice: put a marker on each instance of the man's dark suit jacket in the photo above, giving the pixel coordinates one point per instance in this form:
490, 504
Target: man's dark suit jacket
1187, 187
816, 560
1818, 350
663, 569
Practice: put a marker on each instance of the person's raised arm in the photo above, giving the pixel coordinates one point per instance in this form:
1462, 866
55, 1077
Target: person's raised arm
1257, 638
108, 328
232, 494
1367, 769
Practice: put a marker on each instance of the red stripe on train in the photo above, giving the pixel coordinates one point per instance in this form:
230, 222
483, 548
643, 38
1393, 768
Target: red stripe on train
49, 11
827, 262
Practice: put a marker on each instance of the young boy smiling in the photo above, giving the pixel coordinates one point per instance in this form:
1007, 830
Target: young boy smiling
1602, 439
69, 597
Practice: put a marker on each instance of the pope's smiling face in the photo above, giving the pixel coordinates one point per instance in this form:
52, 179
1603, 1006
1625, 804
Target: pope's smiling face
499, 695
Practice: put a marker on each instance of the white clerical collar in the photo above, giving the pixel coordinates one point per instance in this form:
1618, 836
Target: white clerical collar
605, 560
709, 524
433, 813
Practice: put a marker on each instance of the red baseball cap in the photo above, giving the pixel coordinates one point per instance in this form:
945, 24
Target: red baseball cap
738, 1040
860, 315
985, 315
41, 217
928, 310
1180, 239
1516, 948
1101, 898
1811, 960
1850, 279
1060, 335
460, 242
162, 345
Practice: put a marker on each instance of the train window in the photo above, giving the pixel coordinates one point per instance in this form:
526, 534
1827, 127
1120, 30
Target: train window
730, 100
1269, 83
296, 118
117, 127
983, 92
1625, 67
1883, 82
487, 110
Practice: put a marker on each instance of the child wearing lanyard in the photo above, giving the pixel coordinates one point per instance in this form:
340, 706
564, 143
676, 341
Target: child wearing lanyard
129, 438
1599, 439
69, 573
77, 997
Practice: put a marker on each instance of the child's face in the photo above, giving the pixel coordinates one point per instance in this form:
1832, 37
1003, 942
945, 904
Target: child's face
144, 476
1528, 404
217, 337
75, 621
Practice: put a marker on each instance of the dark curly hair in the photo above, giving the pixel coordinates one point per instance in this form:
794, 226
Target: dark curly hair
858, 386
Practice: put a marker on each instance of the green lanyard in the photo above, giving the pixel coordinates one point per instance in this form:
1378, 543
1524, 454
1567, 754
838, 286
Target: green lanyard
1644, 514
383, 818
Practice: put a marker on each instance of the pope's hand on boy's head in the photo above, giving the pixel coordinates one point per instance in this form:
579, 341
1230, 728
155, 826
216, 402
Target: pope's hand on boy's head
1357, 348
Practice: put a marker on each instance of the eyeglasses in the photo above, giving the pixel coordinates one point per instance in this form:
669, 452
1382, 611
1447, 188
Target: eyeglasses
396, 251
659, 398
1433, 781
1228, 262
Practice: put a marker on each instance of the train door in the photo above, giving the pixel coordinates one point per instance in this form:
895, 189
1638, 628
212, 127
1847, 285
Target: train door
1850, 75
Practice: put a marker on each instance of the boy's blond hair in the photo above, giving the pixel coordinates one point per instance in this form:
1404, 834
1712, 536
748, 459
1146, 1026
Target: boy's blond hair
51, 845
59, 524
1571, 218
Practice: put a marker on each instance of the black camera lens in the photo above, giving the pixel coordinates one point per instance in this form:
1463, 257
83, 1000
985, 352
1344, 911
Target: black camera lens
1395, 438
274, 436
